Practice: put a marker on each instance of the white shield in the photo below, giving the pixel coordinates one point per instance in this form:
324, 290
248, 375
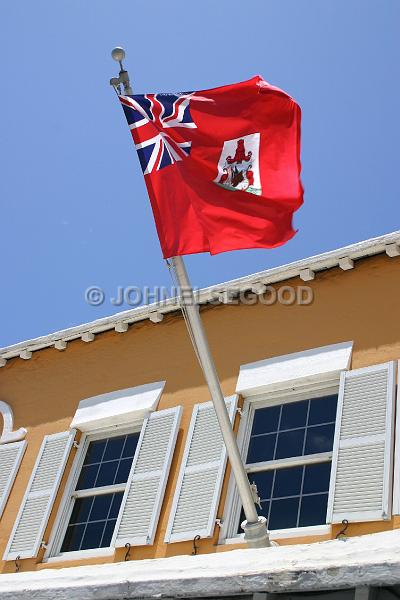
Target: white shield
238, 165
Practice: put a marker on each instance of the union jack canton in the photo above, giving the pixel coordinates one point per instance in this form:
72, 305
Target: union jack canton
148, 117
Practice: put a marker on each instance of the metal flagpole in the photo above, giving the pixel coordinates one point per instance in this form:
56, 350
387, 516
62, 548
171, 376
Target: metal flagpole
255, 529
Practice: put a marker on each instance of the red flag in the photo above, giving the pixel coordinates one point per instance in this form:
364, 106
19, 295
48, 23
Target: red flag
222, 166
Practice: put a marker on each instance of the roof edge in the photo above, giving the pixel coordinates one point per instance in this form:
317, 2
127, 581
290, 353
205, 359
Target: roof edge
389, 243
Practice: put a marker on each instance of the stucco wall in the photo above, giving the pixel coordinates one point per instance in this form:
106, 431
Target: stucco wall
359, 305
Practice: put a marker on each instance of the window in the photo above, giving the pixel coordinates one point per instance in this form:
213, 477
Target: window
98, 491
288, 457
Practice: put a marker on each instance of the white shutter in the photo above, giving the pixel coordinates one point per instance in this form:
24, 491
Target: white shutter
27, 534
361, 476
198, 489
141, 504
396, 479
10, 459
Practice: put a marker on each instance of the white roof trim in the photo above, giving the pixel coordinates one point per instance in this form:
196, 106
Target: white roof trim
320, 262
117, 408
335, 564
309, 366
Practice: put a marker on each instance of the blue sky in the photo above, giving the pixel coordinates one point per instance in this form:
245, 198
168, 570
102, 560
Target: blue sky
74, 210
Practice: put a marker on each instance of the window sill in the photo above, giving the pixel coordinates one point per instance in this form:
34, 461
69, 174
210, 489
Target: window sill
80, 555
281, 534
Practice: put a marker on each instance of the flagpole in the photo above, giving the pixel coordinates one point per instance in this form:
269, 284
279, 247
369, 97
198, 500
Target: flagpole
255, 529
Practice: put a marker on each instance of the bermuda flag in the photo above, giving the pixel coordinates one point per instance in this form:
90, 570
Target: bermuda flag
222, 166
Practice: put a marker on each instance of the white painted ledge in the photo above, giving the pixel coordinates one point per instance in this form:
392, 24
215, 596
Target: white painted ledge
292, 532
117, 408
81, 555
366, 560
310, 366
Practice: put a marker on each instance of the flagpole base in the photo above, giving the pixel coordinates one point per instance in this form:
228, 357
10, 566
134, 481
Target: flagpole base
256, 534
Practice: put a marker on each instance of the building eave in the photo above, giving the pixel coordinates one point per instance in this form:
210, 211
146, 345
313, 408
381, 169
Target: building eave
305, 268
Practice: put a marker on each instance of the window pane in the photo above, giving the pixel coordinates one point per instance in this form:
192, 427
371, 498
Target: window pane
87, 477
323, 410
107, 473
101, 507
263, 482
115, 504
263, 512
288, 482
95, 452
316, 478
319, 439
261, 448
123, 470
108, 461
290, 443
93, 534
114, 448
294, 415
299, 494
81, 510
283, 513
73, 537
130, 445
98, 526
108, 533
309, 489
266, 420
313, 510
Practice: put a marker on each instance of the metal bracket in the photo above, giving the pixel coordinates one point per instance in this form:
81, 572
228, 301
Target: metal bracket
128, 549
17, 564
43, 545
116, 83
75, 444
219, 522
342, 533
118, 54
256, 497
195, 547
239, 411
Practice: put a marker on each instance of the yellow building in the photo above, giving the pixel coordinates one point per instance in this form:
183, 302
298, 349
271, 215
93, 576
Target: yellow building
110, 447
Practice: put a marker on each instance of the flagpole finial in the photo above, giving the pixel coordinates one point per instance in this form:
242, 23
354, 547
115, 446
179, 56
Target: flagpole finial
118, 54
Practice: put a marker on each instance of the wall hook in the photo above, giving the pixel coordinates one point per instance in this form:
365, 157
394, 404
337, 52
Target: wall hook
342, 533
128, 549
17, 564
195, 547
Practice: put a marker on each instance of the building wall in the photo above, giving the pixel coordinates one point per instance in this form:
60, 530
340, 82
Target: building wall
360, 305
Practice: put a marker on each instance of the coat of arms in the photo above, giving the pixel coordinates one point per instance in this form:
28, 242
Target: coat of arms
238, 166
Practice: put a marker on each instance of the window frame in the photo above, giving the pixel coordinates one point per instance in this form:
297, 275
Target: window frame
53, 548
228, 534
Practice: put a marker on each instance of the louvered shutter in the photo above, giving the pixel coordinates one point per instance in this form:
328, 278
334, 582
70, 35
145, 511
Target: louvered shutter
10, 459
396, 479
361, 475
198, 489
141, 504
27, 534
